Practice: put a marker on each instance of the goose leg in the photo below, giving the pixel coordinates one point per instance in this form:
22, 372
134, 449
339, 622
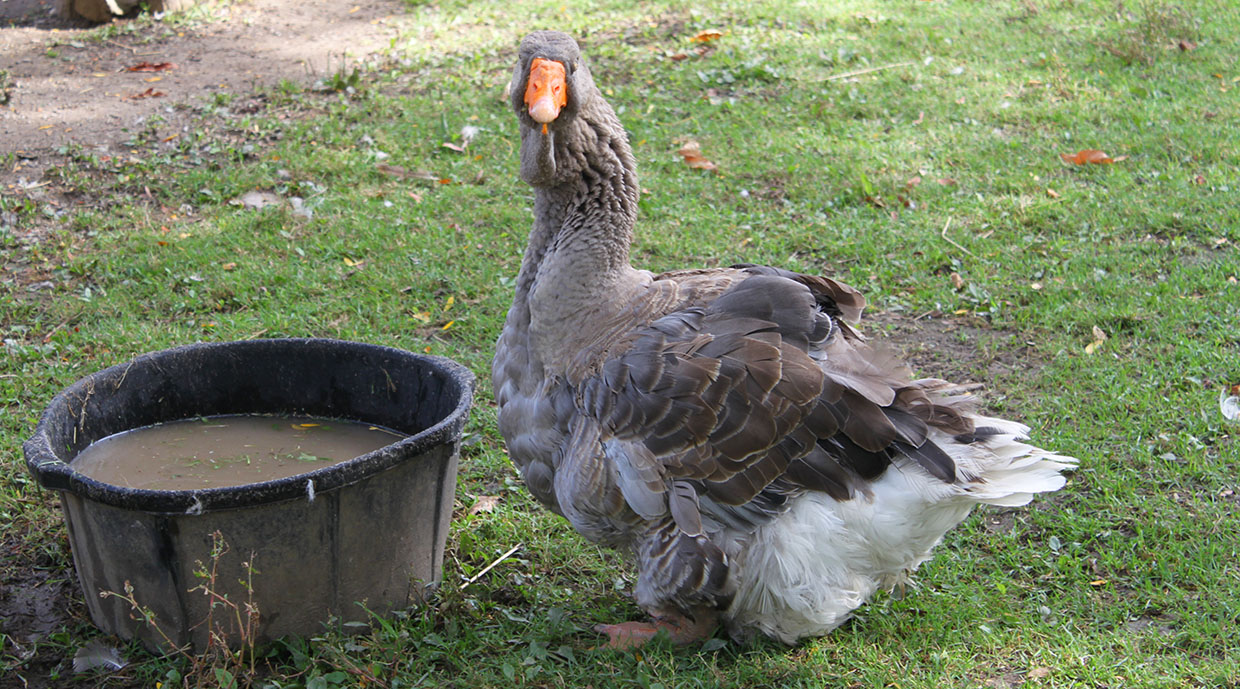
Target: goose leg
681, 629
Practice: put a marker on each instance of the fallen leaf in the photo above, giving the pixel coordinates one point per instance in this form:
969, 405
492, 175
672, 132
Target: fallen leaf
484, 503
1098, 582
453, 147
1039, 672
677, 57
1099, 338
921, 116
947, 181
149, 93
1052, 193
1087, 156
151, 67
449, 302
229, 266
913, 181
1035, 286
1186, 46
692, 153
957, 281
1199, 179
707, 36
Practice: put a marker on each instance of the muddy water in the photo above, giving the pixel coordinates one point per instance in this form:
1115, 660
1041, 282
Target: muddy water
221, 451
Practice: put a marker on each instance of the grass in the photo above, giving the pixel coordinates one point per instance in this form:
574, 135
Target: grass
943, 160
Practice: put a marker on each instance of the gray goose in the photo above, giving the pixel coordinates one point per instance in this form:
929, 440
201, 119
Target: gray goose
728, 427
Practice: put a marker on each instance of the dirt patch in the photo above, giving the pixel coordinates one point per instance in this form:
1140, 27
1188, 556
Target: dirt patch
35, 603
39, 597
958, 349
69, 84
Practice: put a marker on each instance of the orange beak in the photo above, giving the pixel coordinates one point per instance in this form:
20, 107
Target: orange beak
547, 91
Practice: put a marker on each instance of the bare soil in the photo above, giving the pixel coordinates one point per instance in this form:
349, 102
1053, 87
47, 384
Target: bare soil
68, 84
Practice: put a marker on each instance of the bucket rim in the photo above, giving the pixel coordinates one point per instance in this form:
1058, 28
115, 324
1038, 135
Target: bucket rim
53, 472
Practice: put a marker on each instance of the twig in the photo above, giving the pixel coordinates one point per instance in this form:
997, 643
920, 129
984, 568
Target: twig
489, 567
951, 241
859, 72
118, 43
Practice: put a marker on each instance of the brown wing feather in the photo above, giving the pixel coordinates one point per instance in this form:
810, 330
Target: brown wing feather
727, 399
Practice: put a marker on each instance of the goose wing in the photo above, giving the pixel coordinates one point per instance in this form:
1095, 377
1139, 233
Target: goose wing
763, 390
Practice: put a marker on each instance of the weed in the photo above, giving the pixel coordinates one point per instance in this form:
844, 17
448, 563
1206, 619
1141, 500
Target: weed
1151, 30
229, 658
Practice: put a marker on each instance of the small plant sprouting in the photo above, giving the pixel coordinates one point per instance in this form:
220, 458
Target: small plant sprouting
218, 662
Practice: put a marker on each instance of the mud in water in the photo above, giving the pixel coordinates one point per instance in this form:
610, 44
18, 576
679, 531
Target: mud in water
218, 451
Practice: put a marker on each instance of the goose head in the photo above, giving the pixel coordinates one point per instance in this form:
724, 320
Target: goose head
552, 90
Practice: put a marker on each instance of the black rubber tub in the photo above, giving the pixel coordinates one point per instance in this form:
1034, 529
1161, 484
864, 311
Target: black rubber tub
333, 545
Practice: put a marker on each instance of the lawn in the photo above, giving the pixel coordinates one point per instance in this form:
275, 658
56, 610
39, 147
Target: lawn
911, 148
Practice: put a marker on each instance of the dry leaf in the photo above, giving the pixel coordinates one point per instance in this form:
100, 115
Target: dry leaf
947, 181
1099, 338
1039, 672
957, 281
913, 181
149, 93
151, 67
692, 153
229, 266
707, 36
1186, 46
453, 147
1088, 156
484, 503
1035, 286
1098, 582
677, 57
1052, 193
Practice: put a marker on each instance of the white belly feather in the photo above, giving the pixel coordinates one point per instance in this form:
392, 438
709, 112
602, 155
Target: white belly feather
804, 572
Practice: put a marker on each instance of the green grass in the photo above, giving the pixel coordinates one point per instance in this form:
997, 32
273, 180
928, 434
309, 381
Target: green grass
944, 159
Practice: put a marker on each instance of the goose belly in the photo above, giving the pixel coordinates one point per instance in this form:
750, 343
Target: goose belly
804, 572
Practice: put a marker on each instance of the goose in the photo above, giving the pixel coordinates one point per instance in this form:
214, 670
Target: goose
728, 428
